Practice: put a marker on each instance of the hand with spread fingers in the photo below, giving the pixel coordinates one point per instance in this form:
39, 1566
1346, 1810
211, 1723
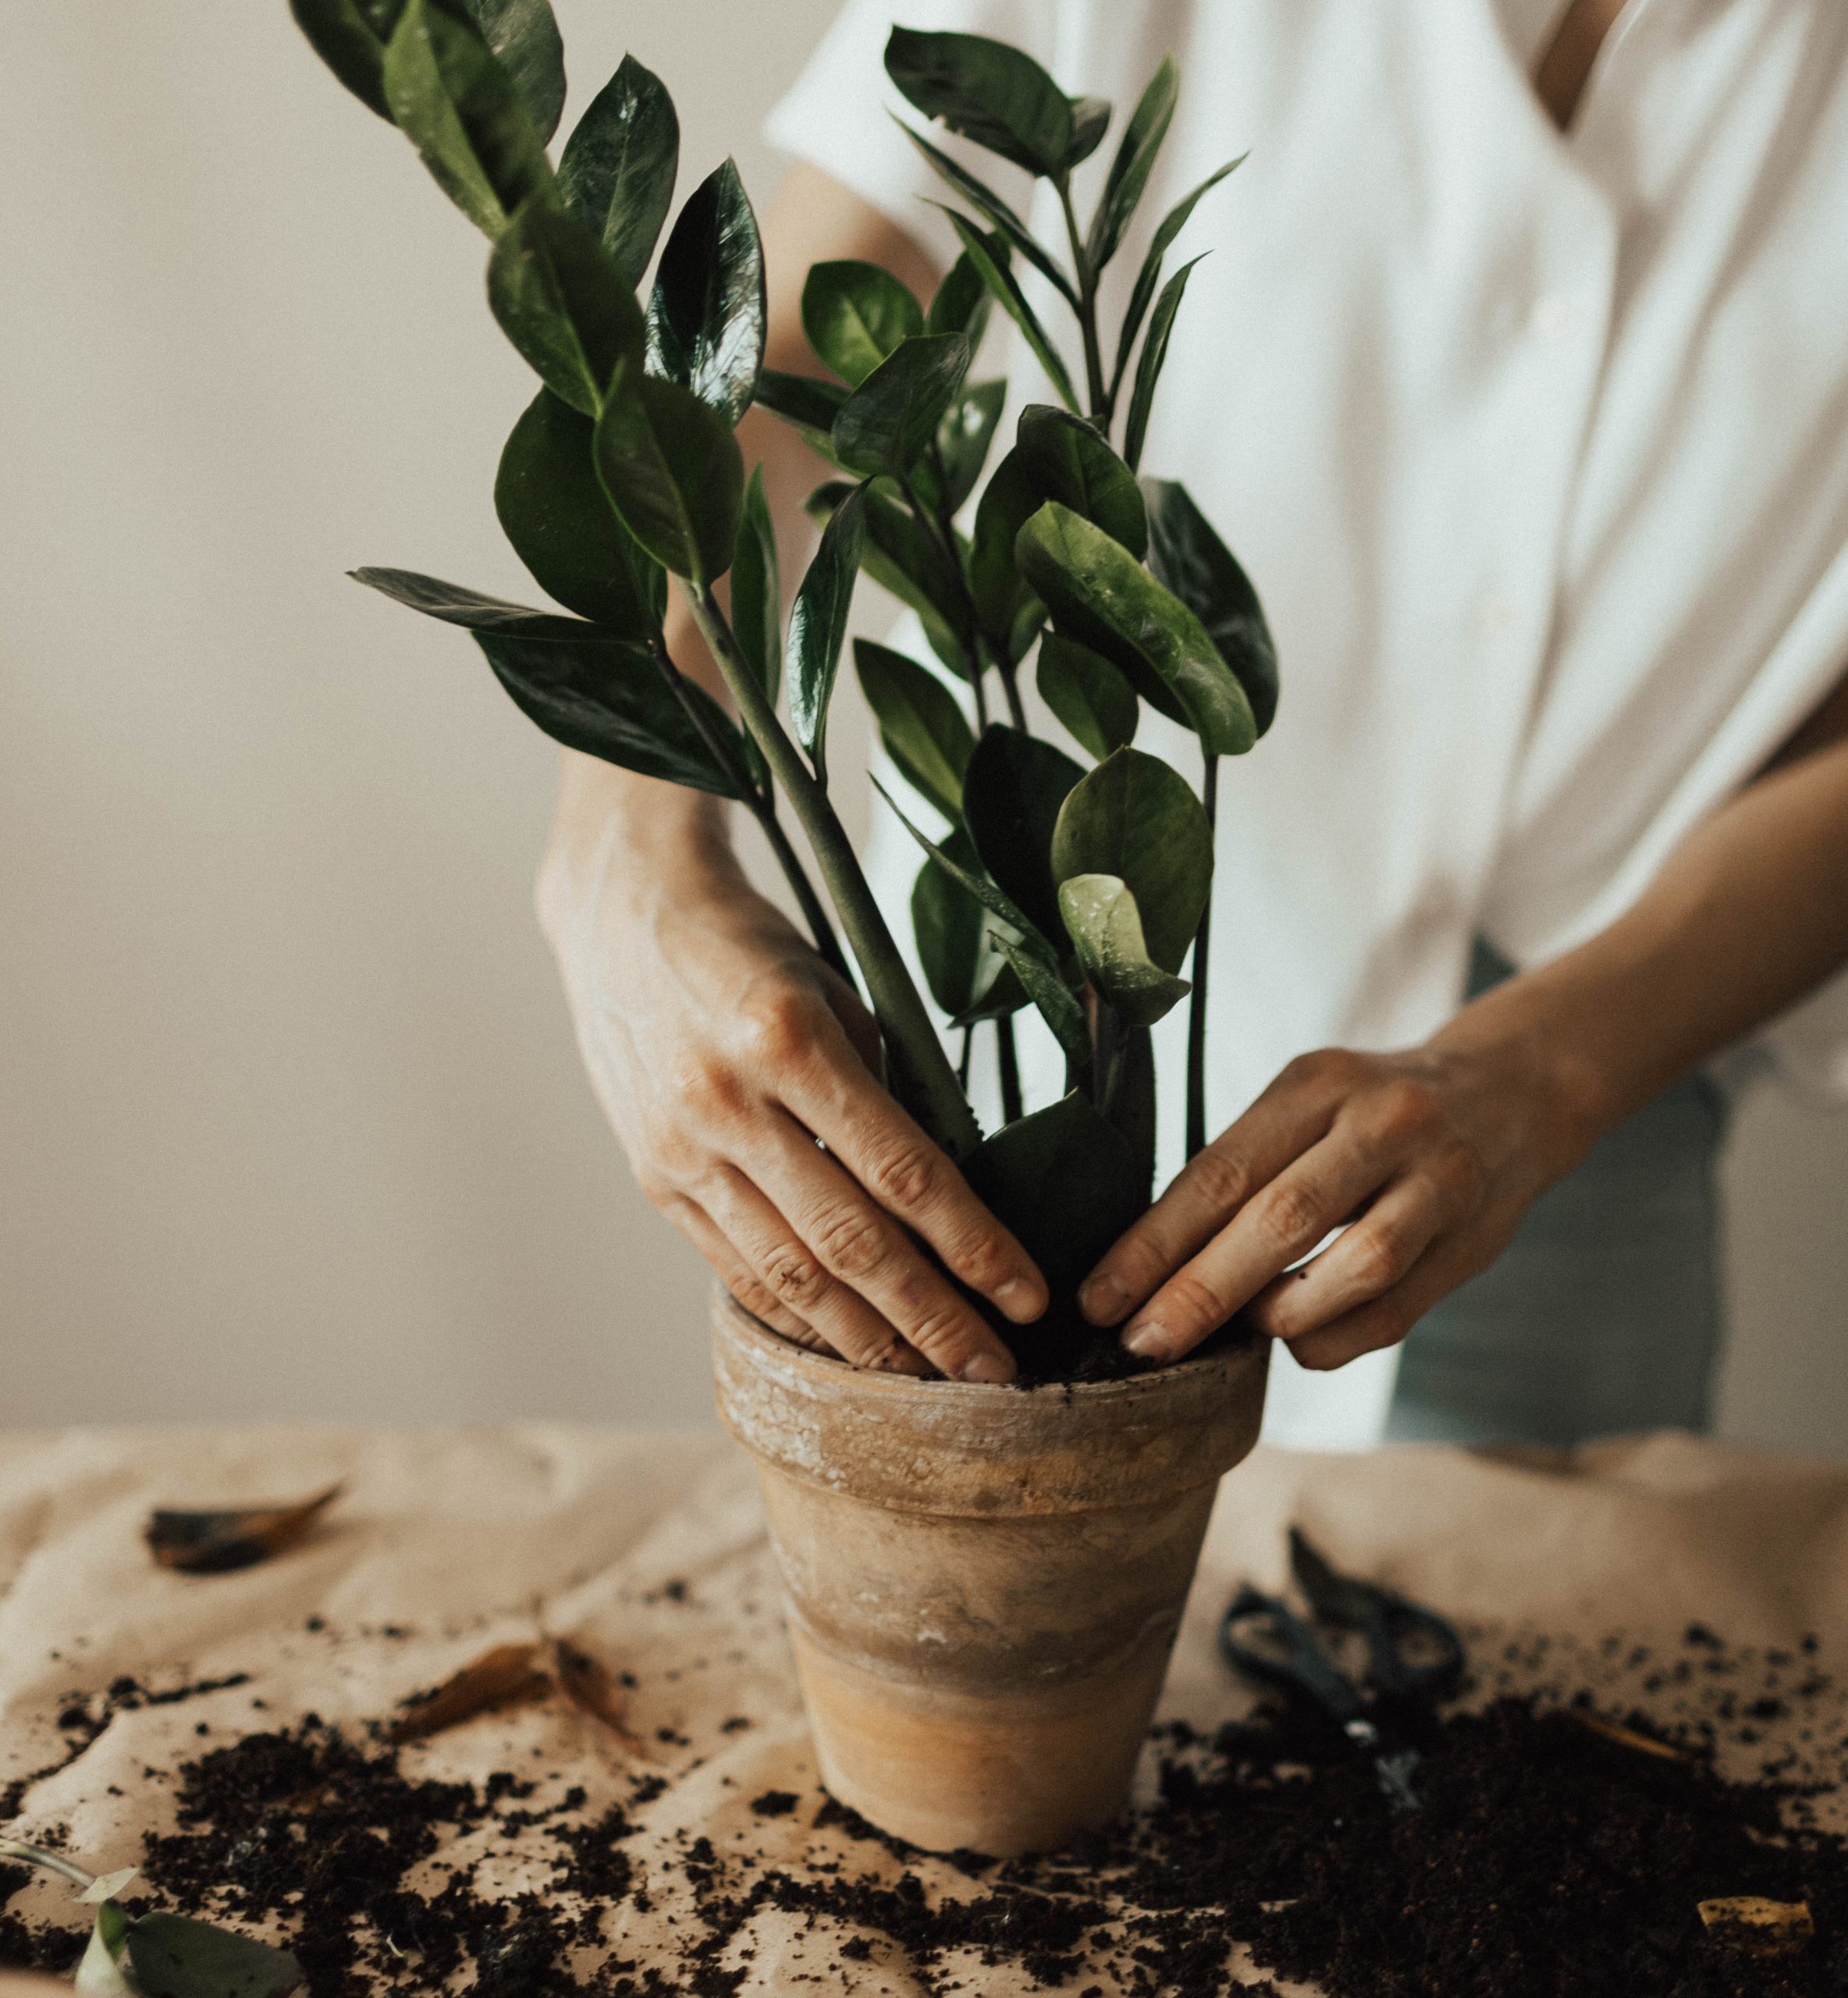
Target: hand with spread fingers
1426, 1161
741, 1074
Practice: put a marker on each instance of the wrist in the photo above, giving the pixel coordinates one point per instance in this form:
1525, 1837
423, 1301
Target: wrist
621, 842
1548, 1090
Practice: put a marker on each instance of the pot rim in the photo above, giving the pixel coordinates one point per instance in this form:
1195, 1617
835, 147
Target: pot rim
826, 1367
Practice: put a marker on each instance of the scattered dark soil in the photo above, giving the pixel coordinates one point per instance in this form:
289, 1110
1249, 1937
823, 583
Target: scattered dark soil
1548, 1860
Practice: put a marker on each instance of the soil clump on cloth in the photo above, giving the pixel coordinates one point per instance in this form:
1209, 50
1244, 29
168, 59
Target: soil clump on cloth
1552, 1859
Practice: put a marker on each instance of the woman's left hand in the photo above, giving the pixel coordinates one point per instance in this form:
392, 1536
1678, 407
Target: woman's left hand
1429, 1157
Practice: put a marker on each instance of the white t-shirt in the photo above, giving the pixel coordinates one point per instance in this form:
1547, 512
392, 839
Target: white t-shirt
1537, 450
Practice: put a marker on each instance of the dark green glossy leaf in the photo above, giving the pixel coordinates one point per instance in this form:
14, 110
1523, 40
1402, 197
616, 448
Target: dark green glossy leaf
1148, 369
605, 696
559, 298
1149, 275
1053, 998
554, 510
618, 167
349, 36
889, 420
1189, 558
706, 315
1087, 694
1012, 301
757, 590
1135, 160
1012, 232
924, 732
1101, 596
976, 882
1068, 461
899, 556
1136, 819
968, 974
672, 470
1106, 929
458, 107
997, 95
1012, 789
963, 438
172, 1955
818, 626
804, 403
1065, 1182
961, 304
1090, 120
522, 35
1003, 599
856, 314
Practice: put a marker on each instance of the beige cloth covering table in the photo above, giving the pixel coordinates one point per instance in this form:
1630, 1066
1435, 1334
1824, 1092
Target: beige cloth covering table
446, 1542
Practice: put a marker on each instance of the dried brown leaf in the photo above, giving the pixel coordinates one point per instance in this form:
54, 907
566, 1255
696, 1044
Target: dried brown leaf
1628, 1737
1757, 1924
592, 1688
508, 1676
211, 1543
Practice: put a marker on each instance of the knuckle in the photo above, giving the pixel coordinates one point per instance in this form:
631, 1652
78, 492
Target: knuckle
1402, 1108
778, 1028
902, 1177
706, 1086
1377, 1257
1200, 1306
1324, 1067
982, 1260
853, 1242
794, 1277
940, 1332
1221, 1178
1290, 1218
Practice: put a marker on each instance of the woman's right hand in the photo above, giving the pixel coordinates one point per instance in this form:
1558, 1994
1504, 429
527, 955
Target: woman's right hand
727, 1056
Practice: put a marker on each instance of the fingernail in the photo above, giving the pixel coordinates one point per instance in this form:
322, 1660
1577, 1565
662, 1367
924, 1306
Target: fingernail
1148, 1339
989, 1369
1021, 1301
1102, 1300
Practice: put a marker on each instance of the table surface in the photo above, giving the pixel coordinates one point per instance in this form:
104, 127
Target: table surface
447, 1542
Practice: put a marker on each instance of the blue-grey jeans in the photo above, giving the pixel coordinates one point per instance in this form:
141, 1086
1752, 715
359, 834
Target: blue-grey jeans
1605, 1312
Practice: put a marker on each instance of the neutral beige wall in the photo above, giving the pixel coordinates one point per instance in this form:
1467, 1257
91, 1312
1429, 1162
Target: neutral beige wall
290, 1120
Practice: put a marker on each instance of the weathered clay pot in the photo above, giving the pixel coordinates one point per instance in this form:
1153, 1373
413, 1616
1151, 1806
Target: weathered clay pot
983, 1584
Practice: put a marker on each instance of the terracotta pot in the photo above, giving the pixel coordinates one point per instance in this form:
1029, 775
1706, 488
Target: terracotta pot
983, 1584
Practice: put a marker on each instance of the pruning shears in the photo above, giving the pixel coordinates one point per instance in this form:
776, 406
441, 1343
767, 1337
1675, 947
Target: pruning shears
1413, 1654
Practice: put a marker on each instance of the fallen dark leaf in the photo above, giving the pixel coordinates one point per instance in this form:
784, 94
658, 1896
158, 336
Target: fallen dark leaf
508, 1676
211, 1543
592, 1688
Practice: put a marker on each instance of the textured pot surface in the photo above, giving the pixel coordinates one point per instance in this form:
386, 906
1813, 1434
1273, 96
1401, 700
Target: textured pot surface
983, 1584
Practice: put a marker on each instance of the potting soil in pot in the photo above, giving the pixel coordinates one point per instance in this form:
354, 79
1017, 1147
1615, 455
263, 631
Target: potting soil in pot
1551, 1858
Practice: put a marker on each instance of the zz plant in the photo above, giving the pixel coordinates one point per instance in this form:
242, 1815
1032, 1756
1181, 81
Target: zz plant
1079, 888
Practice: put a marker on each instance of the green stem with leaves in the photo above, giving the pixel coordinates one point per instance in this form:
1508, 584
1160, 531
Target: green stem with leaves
924, 1080
1196, 1004
762, 805
1098, 395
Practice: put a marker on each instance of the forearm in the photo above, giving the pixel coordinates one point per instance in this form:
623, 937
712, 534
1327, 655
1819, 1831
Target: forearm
1749, 912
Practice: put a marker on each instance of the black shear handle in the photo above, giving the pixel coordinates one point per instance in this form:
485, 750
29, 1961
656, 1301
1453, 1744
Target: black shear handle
1298, 1663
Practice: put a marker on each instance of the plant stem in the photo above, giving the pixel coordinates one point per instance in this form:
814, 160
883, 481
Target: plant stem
1008, 1060
962, 1059
1087, 308
924, 1081
53, 1862
762, 805
1196, 1006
